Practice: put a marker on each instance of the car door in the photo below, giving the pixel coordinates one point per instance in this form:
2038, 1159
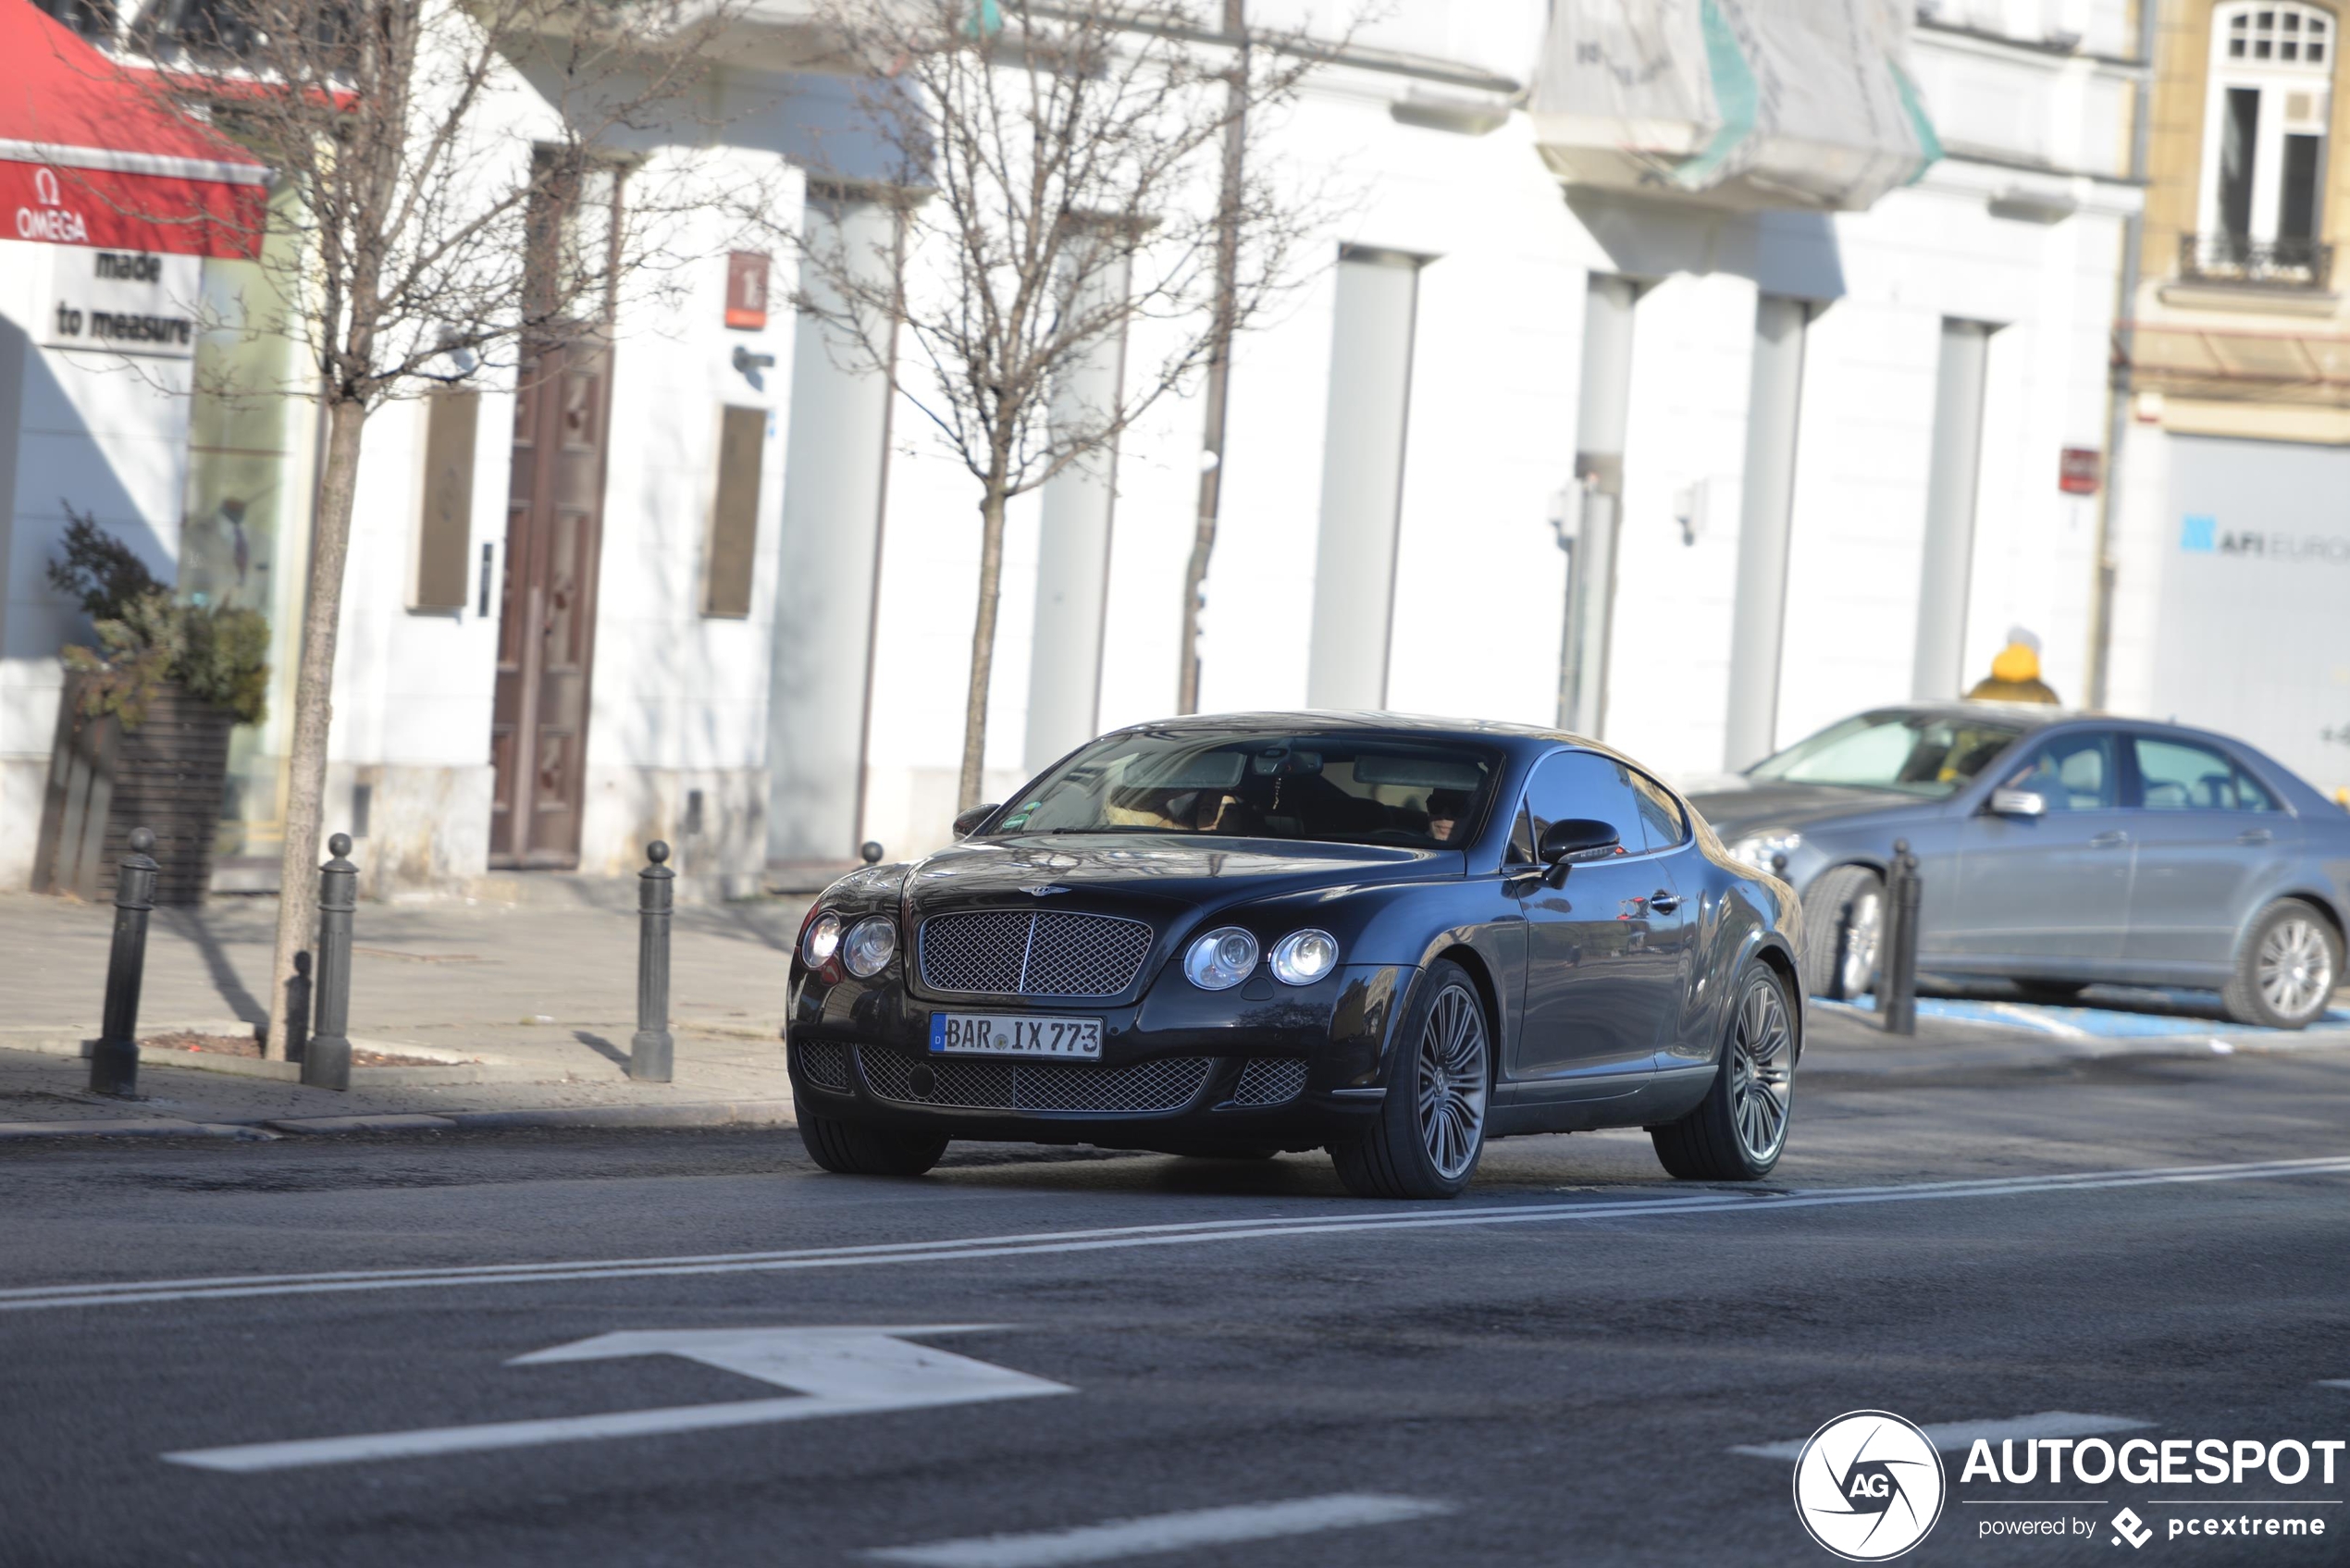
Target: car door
1673, 906
2210, 841
2046, 893
1598, 991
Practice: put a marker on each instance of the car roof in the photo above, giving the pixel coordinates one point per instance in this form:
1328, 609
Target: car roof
1364, 721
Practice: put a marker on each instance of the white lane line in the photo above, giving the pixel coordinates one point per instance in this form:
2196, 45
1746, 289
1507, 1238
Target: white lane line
1165, 1532
1951, 1435
849, 1371
37, 1298
2333, 1382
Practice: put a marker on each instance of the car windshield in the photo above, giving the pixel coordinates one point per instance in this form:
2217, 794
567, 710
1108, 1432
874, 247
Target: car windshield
1927, 754
1338, 788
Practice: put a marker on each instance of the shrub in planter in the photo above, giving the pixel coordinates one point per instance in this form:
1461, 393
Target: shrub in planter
143, 734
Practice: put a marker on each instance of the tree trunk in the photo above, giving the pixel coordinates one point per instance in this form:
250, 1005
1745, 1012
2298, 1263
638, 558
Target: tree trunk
312, 712
1219, 364
991, 579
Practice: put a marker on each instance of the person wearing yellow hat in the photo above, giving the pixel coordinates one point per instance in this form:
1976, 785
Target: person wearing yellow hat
2015, 673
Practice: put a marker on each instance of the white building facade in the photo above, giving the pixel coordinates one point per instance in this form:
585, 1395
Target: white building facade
1826, 447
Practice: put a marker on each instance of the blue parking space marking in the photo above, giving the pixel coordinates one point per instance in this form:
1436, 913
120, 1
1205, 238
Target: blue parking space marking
2089, 1023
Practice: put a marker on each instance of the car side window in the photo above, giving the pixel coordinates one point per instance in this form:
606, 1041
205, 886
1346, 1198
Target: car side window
2176, 775
1583, 784
2070, 774
1660, 813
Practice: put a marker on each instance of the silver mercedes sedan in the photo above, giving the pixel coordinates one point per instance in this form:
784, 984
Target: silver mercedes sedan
2057, 850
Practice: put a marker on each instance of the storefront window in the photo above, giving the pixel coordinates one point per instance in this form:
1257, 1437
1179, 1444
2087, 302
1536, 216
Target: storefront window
244, 536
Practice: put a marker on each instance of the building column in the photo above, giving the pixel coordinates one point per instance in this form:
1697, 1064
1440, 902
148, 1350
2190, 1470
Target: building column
1370, 397
837, 451
1603, 411
1758, 617
1072, 558
1948, 556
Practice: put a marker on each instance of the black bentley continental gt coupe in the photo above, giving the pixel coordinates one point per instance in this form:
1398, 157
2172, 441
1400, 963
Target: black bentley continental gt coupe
1390, 938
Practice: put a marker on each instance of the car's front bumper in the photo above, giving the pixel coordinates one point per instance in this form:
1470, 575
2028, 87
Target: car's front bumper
1180, 1069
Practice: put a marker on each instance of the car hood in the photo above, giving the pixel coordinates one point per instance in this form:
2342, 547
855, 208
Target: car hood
1151, 875
1774, 808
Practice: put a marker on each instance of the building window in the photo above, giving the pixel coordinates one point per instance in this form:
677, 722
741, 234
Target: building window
2264, 152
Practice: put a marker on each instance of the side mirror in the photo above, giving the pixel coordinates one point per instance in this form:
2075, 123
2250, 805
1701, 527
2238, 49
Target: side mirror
2018, 803
1573, 839
967, 822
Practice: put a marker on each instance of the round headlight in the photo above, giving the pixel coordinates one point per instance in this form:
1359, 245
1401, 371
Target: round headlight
1303, 957
1221, 959
822, 941
869, 946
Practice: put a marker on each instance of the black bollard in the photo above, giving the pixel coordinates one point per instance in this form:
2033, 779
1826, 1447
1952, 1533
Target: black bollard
651, 1051
1896, 994
326, 1061
114, 1060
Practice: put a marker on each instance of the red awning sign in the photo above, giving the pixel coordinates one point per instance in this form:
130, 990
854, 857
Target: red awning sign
91, 157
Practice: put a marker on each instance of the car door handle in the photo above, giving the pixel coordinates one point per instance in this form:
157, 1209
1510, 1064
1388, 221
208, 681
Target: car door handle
1663, 901
2111, 838
2255, 836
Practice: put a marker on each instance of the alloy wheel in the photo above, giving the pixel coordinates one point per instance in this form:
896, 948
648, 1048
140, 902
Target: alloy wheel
1450, 1080
1762, 1072
2296, 967
1864, 927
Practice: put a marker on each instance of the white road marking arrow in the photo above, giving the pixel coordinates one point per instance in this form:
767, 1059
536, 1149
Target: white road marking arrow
837, 1372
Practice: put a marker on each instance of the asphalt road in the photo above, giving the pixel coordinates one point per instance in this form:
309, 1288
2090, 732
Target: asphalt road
1556, 1370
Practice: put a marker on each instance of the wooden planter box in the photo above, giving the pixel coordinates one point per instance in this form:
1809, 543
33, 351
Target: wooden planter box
169, 776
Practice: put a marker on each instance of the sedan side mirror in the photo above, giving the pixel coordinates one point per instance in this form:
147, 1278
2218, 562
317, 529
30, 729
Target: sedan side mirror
2018, 803
1573, 839
967, 822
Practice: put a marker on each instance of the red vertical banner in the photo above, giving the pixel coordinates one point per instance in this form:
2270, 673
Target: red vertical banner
747, 290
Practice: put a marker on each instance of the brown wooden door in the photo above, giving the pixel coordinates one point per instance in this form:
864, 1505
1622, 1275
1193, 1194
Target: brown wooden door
547, 634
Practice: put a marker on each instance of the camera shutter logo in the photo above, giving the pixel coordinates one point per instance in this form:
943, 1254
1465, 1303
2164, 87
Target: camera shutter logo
1869, 1486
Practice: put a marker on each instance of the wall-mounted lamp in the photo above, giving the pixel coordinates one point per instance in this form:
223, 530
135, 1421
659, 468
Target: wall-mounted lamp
746, 362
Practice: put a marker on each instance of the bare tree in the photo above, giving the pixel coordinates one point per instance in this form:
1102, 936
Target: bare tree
1055, 170
425, 149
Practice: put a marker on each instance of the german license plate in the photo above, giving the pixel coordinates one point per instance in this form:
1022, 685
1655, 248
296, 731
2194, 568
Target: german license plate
1003, 1034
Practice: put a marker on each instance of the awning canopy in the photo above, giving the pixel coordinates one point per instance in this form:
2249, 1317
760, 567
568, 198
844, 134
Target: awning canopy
91, 156
1740, 103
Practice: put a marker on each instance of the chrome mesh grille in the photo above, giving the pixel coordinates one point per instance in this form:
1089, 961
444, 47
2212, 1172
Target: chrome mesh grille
1014, 953
826, 1062
1268, 1080
1167, 1083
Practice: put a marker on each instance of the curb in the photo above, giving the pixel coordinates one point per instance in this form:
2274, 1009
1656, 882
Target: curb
160, 1127
718, 1113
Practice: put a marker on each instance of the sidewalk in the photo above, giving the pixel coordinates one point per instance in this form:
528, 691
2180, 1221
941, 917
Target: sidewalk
521, 1012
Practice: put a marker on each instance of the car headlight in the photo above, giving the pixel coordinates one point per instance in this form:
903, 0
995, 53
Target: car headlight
869, 946
1221, 959
1760, 849
821, 941
1303, 957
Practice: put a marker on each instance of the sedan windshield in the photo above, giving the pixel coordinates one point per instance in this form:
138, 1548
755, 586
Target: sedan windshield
1928, 754
1341, 788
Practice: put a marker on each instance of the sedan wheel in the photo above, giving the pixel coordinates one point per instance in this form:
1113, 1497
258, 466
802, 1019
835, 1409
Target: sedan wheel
1430, 1127
1738, 1131
1452, 1081
1762, 1074
2287, 969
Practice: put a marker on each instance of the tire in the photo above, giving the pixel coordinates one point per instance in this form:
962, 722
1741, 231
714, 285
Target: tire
1430, 1131
1738, 1131
846, 1148
2287, 969
2051, 993
1843, 922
